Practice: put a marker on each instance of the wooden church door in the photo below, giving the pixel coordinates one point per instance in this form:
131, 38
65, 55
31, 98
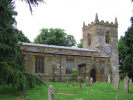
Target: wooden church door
92, 74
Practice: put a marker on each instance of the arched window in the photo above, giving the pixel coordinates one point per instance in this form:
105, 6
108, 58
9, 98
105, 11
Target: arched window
89, 39
69, 65
39, 65
107, 37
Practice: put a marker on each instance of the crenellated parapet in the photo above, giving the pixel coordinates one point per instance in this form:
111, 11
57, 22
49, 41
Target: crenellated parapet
97, 22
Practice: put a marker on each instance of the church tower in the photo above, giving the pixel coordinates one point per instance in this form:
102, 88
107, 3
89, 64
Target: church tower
103, 36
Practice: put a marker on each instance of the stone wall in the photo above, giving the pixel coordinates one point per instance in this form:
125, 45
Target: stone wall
52, 65
101, 45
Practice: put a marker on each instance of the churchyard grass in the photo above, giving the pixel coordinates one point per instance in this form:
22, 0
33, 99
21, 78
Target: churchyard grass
99, 91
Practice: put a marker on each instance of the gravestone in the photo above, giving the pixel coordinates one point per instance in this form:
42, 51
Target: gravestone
130, 81
24, 92
117, 97
119, 79
79, 81
116, 82
91, 79
82, 81
109, 80
112, 82
126, 84
87, 80
73, 84
50, 93
67, 83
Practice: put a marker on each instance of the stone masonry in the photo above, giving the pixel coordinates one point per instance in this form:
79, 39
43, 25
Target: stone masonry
98, 30
55, 62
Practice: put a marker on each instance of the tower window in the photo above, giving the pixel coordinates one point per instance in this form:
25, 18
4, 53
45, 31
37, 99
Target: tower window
89, 39
107, 37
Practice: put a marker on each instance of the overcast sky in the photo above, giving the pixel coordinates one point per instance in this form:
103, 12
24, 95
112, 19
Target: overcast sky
70, 15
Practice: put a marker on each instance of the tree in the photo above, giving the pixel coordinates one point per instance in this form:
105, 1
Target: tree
21, 37
122, 55
55, 37
10, 72
33, 2
128, 61
80, 45
70, 41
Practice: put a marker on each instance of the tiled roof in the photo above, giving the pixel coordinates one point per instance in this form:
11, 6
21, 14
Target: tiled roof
59, 47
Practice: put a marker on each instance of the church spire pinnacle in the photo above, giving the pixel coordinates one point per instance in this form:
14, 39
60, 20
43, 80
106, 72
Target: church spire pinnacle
96, 18
83, 24
115, 21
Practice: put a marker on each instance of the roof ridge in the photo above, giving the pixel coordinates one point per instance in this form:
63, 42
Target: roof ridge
56, 46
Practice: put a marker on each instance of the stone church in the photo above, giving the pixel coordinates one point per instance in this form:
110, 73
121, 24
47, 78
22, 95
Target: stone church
97, 58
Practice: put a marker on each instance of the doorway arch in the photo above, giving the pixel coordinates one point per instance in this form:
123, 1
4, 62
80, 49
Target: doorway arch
93, 74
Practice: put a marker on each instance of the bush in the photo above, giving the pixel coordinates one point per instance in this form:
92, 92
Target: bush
74, 73
67, 79
122, 75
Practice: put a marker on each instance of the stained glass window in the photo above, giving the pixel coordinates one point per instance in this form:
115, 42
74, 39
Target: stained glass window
69, 66
66, 66
39, 64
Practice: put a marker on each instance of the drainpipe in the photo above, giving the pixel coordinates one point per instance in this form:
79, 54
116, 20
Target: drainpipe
85, 70
60, 68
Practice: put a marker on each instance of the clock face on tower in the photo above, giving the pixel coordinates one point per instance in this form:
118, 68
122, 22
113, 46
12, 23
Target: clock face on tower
108, 50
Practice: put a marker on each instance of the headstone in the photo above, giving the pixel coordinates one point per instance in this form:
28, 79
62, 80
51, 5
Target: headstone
82, 81
50, 93
109, 80
116, 82
39, 75
87, 80
112, 82
130, 81
117, 97
126, 84
73, 84
79, 81
91, 79
67, 83
24, 91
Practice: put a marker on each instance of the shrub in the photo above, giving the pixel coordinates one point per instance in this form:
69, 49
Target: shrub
74, 73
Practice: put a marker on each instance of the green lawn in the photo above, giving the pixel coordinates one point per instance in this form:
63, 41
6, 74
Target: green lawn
99, 91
